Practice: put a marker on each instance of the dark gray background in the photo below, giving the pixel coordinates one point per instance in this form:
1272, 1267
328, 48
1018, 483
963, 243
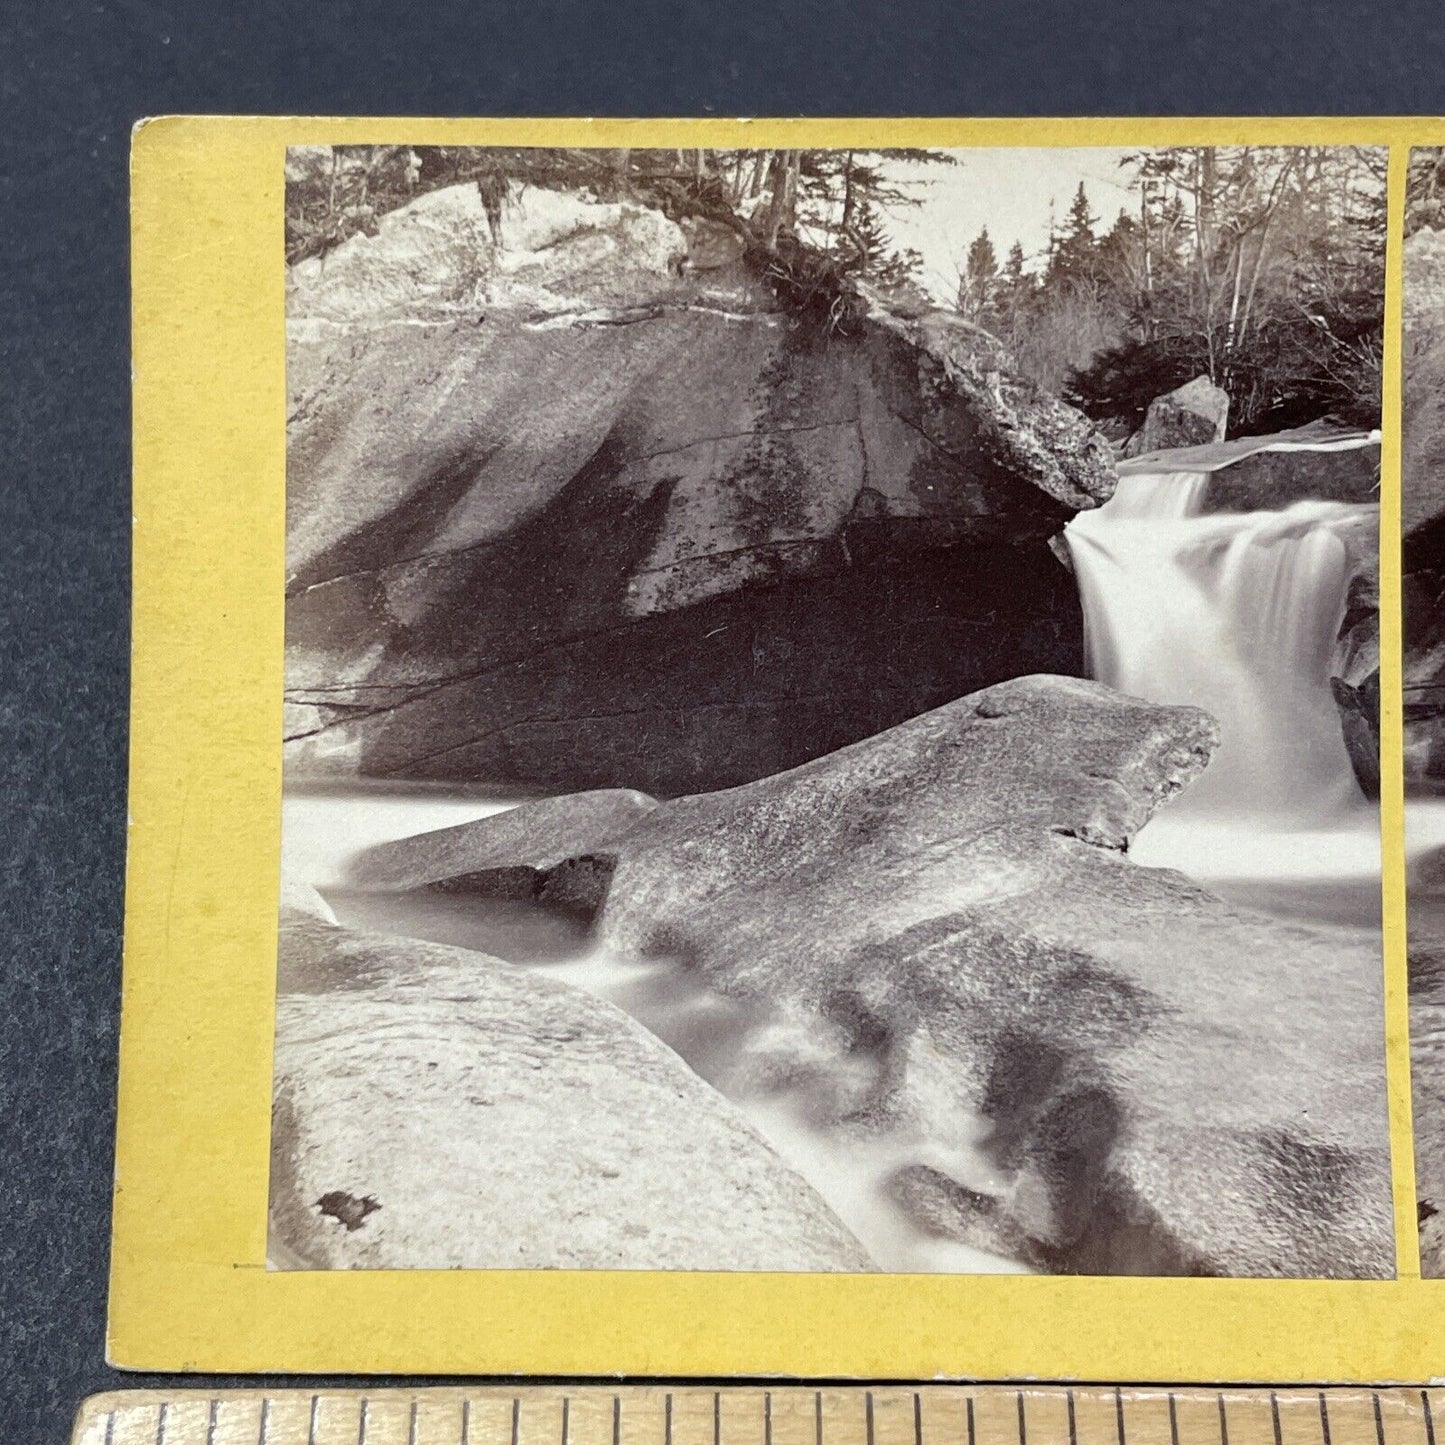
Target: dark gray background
73, 80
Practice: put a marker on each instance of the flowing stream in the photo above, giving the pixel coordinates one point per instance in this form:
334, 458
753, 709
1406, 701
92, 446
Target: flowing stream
325, 828
1236, 614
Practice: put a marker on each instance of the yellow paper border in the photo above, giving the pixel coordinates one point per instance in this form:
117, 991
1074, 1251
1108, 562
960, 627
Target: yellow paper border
189, 1288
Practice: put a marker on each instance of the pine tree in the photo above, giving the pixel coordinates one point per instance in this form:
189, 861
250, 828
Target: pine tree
1013, 267
1074, 259
979, 283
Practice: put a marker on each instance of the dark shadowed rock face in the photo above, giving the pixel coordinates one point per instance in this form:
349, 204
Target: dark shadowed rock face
1423, 508
1355, 663
439, 1109
1423, 609
650, 530
1272, 478
1172, 1084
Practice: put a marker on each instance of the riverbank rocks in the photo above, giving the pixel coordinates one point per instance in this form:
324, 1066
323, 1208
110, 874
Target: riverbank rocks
545, 844
578, 515
1171, 1084
1324, 461
438, 1109
1355, 661
1191, 414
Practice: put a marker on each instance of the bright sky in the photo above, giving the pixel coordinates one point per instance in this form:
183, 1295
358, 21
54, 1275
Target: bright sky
1010, 192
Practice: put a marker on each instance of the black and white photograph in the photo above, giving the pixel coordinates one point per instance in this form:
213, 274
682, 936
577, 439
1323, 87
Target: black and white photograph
831, 711
1422, 553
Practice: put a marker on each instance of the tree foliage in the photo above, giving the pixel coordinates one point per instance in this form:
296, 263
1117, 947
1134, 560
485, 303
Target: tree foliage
1425, 190
1259, 267
814, 222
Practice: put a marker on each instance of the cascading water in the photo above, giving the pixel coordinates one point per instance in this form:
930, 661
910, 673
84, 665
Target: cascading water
1236, 613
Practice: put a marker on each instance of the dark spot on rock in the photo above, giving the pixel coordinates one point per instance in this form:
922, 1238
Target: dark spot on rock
1424, 1210
347, 1209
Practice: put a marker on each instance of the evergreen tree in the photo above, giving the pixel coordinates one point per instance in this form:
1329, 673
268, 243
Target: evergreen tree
978, 286
1074, 258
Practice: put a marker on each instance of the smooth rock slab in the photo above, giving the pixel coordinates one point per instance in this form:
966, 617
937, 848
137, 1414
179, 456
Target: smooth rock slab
438, 1109
557, 515
1174, 1085
544, 849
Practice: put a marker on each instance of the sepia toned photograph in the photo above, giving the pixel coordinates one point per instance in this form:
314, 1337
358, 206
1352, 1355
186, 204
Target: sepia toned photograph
1422, 555
832, 711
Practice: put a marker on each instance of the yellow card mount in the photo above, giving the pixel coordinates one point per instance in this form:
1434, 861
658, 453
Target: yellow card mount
758, 1415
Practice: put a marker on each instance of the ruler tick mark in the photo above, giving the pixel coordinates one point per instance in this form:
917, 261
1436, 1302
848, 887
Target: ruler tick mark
667, 1419
411, 1423
868, 1414
716, 1418
1223, 1423
1274, 1417
1429, 1417
161, 1422
311, 1428
969, 1417
211, 1422
617, 1420
1173, 1421
1324, 1419
818, 1418
767, 1417
110, 1428
361, 1424
1379, 1421
918, 1419
1119, 1415
1023, 1428
466, 1422
516, 1418
566, 1417
1073, 1423
265, 1421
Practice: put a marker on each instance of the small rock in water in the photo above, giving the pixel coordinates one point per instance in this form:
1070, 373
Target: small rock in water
1188, 416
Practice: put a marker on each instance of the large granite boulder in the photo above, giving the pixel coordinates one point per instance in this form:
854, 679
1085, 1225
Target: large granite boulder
439, 1109
1190, 415
1171, 1084
586, 517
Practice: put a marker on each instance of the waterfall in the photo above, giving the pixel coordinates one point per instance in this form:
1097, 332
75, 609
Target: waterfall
1236, 613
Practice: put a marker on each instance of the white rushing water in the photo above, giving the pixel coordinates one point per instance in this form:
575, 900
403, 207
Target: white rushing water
725, 1041
1237, 613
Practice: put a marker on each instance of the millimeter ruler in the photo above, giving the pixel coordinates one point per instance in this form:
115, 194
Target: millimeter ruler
689, 1414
